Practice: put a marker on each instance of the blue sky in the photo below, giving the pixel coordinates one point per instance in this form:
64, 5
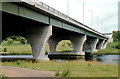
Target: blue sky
105, 10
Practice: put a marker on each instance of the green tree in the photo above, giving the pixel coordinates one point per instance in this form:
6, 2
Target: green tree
116, 36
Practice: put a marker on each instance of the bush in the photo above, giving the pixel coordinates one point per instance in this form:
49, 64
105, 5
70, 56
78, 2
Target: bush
21, 39
9, 40
46, 52
118, 46
66, 73
14, 37
89, 64
57, 73
5, 50
18, 62
116, 36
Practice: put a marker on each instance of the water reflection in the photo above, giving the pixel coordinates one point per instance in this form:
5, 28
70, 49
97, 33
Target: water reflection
103, 58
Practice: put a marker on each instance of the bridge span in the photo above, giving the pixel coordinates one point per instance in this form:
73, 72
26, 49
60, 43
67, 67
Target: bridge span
39, 24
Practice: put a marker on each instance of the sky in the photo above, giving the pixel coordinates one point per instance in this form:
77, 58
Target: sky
106, 11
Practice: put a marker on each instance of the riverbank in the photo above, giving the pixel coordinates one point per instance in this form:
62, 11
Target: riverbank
111, 49
69, 68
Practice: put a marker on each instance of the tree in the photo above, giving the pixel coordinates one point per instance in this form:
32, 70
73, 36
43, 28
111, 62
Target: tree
116, 36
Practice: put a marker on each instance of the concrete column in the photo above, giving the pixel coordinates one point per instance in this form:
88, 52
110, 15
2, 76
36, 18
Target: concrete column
53, 41
105, 44
100, 44
38, 40
90, 45
77, 43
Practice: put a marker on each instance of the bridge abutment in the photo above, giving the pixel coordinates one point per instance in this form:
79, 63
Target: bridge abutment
38, 41
90, 45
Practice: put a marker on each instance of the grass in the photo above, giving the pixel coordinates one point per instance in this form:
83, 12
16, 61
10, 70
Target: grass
110, 49
70, 68
65, 68
17, 48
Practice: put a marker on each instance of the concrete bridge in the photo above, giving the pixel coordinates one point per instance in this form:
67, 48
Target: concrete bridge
39, 24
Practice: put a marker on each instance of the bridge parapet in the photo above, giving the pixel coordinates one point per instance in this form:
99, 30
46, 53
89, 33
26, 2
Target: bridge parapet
60, 15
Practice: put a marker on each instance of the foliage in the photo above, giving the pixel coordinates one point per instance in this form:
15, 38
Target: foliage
9, 40
118, 46
57, 73
116, 36
112, 48
89, 64
22, 40
66, 72
2, 76
18, 62
14, 37
5, 50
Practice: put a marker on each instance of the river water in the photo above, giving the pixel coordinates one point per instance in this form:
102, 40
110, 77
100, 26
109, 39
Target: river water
101, 58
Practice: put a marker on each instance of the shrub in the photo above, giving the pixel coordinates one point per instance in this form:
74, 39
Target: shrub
9, 40
21, 39
118, 46
14, 37
5, 50
89, 64
57, 73
46, 52
66, 73
18, 62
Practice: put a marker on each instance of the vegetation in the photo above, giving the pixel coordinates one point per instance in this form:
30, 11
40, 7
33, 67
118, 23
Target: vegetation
9, 40
63, 68
112, 48
18, 48
75, 68
2, 76
116, 36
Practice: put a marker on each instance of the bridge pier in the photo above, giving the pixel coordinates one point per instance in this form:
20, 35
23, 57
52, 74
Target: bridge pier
105, 44
76, 40
100, 44
53, 41
90, 45
38, 41
77, 43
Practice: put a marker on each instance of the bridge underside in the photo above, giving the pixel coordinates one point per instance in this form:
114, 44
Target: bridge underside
38, 34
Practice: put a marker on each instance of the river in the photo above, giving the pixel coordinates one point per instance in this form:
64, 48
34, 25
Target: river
105, 59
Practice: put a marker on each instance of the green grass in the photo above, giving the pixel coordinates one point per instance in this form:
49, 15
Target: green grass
110, 49
70, 68
17, 48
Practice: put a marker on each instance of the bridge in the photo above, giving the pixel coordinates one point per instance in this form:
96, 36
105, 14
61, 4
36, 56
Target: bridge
39, 24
